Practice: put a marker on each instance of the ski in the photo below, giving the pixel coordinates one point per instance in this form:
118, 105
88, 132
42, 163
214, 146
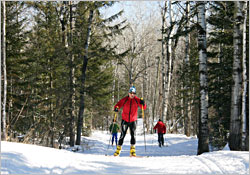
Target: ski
139, 156
111, 155
128, 156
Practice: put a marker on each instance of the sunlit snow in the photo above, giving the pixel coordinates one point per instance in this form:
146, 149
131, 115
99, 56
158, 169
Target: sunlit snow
178, 157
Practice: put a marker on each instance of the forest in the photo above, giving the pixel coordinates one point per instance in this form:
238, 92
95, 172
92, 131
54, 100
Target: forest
65, 64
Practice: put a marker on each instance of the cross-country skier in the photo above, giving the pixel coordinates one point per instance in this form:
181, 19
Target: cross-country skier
130, 105
114, 128
161, 129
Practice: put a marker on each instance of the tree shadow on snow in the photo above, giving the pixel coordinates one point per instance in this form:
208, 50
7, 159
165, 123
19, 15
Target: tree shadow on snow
14, 163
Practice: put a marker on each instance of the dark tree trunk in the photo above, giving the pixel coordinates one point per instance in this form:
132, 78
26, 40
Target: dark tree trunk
203, 140
84, 67
235, 123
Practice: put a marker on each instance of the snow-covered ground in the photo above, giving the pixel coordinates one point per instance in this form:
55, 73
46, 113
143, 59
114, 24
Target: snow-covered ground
178, 157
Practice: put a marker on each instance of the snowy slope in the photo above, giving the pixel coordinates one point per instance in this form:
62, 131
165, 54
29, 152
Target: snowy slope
179, 157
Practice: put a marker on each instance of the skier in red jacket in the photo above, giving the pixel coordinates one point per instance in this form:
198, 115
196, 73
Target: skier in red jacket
161, 129
130, 106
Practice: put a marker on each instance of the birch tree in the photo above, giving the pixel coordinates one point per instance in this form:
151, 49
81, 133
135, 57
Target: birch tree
235, 121
163, 58
169, 59
202, 47
155, 96
244, 146
4, 74
167, 64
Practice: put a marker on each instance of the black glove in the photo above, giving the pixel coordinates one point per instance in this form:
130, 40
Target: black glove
116, 109
142, 101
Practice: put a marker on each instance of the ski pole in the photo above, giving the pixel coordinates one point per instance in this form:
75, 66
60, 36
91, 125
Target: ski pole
143, 126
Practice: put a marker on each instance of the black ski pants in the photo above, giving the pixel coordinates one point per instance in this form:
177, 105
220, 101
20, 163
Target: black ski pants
124, 127
160, 139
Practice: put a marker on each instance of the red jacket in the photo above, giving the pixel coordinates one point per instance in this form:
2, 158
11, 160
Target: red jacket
130, 108
161, 128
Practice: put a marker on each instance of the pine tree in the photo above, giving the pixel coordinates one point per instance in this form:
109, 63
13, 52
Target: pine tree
47, 71
96, 48
16, 34
220, 56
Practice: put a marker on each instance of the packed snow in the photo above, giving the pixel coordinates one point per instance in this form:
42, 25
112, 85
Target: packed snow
178, 156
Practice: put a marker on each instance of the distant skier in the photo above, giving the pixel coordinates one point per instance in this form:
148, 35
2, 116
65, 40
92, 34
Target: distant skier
130, 105
114, 128
161, 129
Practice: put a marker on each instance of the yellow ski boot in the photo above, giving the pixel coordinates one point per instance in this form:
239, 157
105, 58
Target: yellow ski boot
118, 150
132, 150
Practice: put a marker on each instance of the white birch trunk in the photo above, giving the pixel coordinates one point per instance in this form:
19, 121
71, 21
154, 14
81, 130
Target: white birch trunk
203, 141
169, 63
164, 91
155, 90
166, 71
235, 122
114, 82
163, 116
145, 93
244, 66
5, 73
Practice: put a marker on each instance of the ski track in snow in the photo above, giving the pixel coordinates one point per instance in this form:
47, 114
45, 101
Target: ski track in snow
210, 165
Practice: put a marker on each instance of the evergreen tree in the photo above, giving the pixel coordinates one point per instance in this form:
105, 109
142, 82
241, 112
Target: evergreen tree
17, 94
98, 49
220, 56
47, 70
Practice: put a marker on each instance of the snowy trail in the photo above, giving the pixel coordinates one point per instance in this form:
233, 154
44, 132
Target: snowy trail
179, 157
